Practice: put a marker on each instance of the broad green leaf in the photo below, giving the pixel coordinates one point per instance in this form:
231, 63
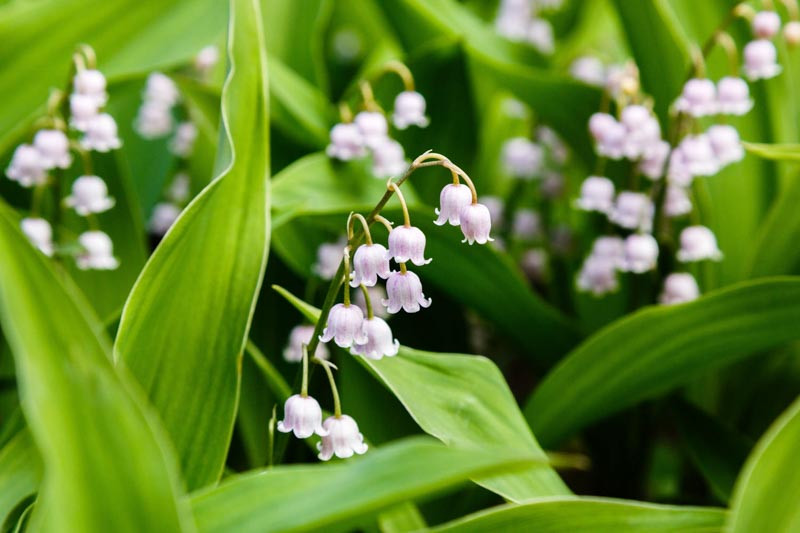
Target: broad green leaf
776, 152
659, 348
332, 497
717, 450
129, 37
595, 515
765, 497
185, 323
106, 465
20, 472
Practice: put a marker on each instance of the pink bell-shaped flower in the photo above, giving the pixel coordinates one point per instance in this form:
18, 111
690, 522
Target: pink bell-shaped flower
407, 243
344, 326
379, 340
476, 223
302, 415
342, 438
453, 197
370, 262
404, 291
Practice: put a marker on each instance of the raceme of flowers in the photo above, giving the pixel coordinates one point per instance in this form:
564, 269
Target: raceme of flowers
367, 134
364, 331
41, 163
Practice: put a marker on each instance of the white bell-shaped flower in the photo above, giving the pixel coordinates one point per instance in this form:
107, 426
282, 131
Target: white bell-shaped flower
329, 257
180, 188
343, 438
27, 166
698, 155
641, 253
388, 159
527, 224
407, 243
53, 146
89, 195
344, 326
453, 197
676, 201
678, 169
101, 134
679, 287
82, 109
370, 262
409, 110
302, 415
598, 276
733, 96
540, 35
633, 210
206, 58
766, 24
347, 142
153, 120
588, 69
163, 217
698, 98
98, 252
609, 135
641, 131
373, 127
39, 232
476, 223
597, 194
160, 88
183, 141
534, 263
299, 338
791, 32
761, 60
377, 294
652, 164
698, 243
404, 291
610, 248
379, 340
726, 144
91, 83
522, 158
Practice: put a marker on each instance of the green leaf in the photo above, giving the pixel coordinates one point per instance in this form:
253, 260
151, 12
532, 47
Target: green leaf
21, 469
595, 515
186, 321
765, 497
775, 152
658, 348
106, 465
332, 497
129, 37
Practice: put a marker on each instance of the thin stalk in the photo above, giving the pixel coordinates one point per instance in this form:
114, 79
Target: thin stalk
337, 404
367, 302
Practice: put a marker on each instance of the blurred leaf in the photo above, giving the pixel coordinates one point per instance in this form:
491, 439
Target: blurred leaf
332, 497
658, 348
129, 37
106, 465
596, 515
20, 472
765, 497
185, 324
776, 152
716, 449
400, 518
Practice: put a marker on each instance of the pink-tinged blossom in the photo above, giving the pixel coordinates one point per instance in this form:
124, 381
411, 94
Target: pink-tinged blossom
380, 341
698, 243
679, 287
407, 243
89, 195
633, 210
698, 98
597, 194
404, 291
342, 438
39, 232
370, 262
453, 197
53, 147
347, 142
344, 326
98, 252
733, 96
299, 337
409, 110
641, 253
302, 416
761, 60
476, 223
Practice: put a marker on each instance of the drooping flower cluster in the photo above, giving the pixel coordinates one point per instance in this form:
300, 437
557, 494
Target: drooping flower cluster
522, 21
359, 328
368, 133
42, 163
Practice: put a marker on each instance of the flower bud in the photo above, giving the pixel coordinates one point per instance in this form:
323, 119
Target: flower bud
27, 166
369, 262
766, 24
388, 159
597, 194
101, 134
299, 338
373, 127
733, 96
476, 223
453, 197
344, 326
698, 155
641, 253
91, 83
89, 195
404, 290
303, 416
347, 143
342, 438
409, 110
679, 287
633, 210
698, 243
698, 99
53, 147
522, 158
40, 234
760, 60
160, 88
407, 243
725, 143
82, 109
379, 340
98, 252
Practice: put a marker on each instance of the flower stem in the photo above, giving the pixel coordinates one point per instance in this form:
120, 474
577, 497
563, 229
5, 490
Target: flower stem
304, 386
401, 70
369, 97
406, 218
346, 276
337, 404
364, 224
386, 223
367, 302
